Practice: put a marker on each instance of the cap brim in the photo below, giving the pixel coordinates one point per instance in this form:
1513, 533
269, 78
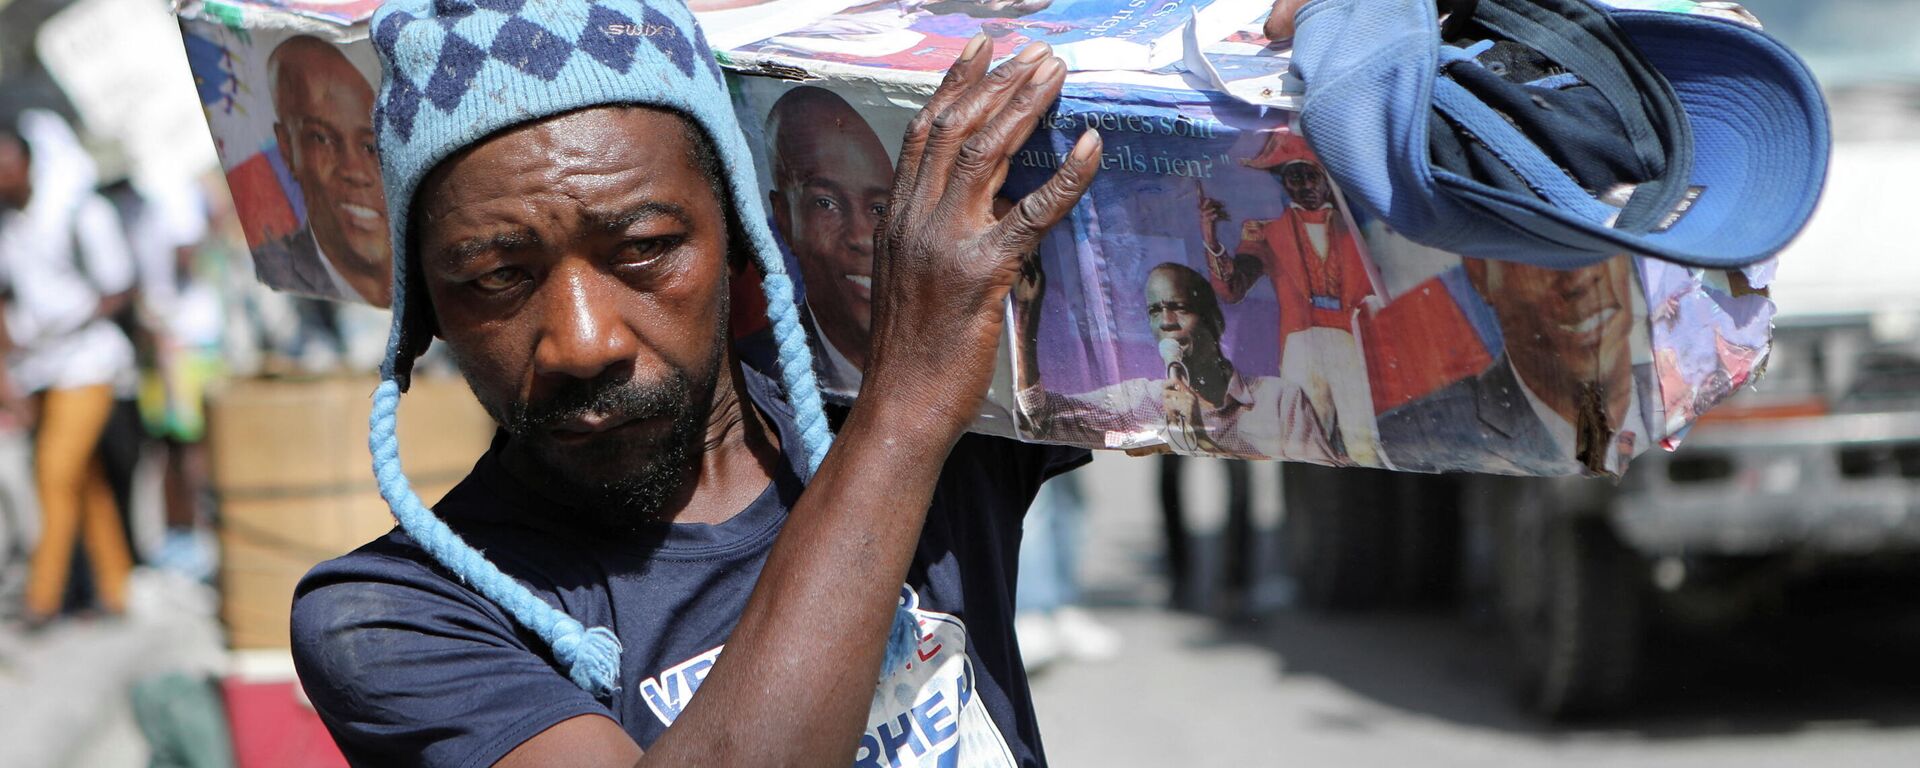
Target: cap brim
1760, 137
1760, 146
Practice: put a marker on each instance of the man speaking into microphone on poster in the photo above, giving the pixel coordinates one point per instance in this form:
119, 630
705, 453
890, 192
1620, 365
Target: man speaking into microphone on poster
1186, 423
1204, 405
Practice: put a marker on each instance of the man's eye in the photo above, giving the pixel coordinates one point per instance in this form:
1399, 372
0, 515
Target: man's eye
499, 280
639, 252
826, 203
878, 210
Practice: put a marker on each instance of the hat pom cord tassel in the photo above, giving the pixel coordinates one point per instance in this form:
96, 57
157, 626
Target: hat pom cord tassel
591, 656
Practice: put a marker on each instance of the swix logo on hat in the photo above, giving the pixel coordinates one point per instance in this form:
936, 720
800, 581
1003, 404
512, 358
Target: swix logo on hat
923, 714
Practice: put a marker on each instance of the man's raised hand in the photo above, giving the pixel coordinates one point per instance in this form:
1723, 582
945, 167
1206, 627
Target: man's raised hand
944, 260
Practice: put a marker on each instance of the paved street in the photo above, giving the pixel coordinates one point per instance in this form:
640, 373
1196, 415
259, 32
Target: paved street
1289, 689
1396, 690
64, 697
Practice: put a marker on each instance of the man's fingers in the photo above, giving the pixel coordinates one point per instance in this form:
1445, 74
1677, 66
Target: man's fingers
966, 70
957, 122
980, 164
1020, 230
1279, 24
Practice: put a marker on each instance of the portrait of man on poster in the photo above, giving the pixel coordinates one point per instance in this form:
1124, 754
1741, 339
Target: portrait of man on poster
831, 181
323, 126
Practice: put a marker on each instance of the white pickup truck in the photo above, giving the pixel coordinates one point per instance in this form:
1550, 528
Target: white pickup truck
1817, 466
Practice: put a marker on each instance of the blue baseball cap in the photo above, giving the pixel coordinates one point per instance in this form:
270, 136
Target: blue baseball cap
1563, 132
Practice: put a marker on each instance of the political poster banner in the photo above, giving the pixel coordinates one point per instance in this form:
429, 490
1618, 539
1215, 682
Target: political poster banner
1213, 294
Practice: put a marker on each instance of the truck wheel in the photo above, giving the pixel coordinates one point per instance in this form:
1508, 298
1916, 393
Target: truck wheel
1337, 536
1425, 512
1574, 600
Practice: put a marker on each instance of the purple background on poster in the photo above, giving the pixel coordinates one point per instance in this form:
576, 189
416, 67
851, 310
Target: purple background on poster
1160, 150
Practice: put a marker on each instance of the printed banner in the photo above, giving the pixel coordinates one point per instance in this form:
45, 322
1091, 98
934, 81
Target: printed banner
292, 120
926, 35
1213, 294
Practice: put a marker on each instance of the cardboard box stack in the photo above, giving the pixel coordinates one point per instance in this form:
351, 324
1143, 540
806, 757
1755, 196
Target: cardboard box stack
291, 470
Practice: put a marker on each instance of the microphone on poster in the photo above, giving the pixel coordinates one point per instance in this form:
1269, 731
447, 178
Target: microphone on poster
1175, 355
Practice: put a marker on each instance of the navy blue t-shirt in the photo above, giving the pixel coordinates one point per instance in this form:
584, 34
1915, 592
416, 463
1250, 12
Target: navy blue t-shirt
408, 666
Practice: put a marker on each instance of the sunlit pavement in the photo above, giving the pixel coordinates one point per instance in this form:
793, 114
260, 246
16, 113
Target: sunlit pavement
1287, 689
1396, 690
64, 692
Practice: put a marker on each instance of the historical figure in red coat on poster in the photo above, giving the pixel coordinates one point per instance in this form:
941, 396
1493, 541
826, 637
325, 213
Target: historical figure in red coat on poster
1321, 278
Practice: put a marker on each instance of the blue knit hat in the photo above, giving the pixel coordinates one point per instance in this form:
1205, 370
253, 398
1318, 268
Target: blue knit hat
457, 71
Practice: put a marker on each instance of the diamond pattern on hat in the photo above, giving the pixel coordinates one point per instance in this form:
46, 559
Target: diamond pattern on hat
705, 52
530, 48
612, 50
398, 108
503, 6
387, 35
459, 62
478, 27
668, 39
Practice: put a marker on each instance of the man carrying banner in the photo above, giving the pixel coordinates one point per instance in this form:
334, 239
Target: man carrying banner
655, 518
1320, 277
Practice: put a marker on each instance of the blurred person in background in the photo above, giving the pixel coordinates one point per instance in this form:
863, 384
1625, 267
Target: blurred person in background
64, 262
1049, 619
19, 509
1231, 595
182, 315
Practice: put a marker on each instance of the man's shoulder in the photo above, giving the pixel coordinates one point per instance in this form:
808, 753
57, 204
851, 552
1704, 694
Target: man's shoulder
395, 564
386, 584
390, 562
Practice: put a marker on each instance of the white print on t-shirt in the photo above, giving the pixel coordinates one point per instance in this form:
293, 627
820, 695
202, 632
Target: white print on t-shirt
923, 714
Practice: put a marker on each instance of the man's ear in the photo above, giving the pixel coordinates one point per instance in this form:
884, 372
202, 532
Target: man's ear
782, 218
282, 142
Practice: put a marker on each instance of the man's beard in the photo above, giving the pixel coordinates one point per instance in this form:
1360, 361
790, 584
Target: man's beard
641, 475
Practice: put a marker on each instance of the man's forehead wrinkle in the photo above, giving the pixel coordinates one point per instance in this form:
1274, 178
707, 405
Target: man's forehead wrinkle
605, 220
458, 255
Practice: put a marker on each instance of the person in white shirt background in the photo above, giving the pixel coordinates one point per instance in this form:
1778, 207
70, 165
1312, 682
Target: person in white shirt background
66, 270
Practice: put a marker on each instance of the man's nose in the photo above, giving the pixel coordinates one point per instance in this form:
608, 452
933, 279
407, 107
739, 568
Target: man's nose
361, 167
860, 231
582, 334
